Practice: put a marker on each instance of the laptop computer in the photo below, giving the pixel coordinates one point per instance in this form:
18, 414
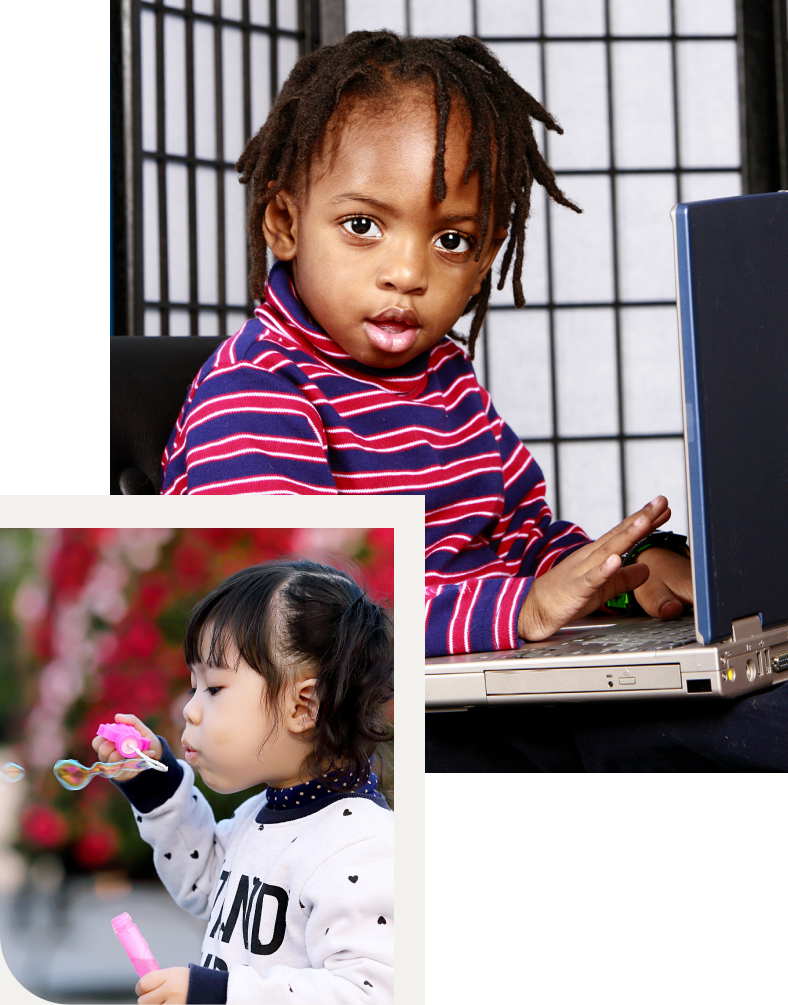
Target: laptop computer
732, 280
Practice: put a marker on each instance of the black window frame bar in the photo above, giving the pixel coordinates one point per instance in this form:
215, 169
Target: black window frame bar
763, 95
127, 155
763, 78
762, 27
755, 48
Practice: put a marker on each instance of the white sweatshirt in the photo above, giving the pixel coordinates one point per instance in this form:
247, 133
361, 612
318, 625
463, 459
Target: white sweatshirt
299, 903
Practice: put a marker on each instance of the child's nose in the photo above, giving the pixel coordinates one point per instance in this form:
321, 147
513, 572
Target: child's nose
405, 268
191, 711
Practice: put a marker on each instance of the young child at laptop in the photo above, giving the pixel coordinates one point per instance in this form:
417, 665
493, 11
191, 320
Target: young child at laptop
388, 175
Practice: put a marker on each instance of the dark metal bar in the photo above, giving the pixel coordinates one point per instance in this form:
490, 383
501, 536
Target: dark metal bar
246, 39
554, 439
781, 81
575, 305
332, 21
583, 438
218, 19
132, 164
611, 135
274, 61
128, 156
309, 26
605, 37
185, 304
220, 220
246, 36
164, 283
484, 334
119, 293
191, 173
657, 170
761, 58
559, 173
675, 85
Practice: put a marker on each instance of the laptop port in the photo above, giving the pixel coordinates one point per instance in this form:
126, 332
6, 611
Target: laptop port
779, 660
752, 671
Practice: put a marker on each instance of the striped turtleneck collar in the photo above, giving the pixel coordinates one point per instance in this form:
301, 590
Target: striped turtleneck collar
285, 316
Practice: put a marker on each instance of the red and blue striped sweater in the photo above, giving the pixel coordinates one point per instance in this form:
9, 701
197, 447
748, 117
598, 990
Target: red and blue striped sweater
281, 409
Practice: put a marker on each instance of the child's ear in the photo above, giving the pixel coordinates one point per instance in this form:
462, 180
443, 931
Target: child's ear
280, 225
303, 713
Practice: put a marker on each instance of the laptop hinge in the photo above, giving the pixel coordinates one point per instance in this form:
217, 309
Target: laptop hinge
746, 628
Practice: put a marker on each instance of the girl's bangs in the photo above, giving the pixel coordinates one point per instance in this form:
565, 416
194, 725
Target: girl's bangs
210, 637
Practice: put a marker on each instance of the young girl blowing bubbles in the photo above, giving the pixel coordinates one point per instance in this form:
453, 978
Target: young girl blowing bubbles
291, 667
387, 177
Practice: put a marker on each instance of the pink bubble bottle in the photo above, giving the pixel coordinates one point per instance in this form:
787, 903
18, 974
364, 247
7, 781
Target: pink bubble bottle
136, 947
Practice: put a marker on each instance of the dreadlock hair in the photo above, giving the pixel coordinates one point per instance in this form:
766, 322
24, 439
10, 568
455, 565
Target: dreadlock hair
286, 617
369, 65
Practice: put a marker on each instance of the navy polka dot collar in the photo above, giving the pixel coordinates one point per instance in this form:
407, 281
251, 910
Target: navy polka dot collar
311, 792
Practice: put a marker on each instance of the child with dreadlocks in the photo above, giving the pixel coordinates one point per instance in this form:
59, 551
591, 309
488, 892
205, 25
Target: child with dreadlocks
388, 175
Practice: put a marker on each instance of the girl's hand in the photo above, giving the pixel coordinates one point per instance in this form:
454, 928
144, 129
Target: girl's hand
593, 575
108, 753
163, 987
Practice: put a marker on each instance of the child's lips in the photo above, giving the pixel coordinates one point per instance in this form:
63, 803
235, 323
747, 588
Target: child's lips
390, 334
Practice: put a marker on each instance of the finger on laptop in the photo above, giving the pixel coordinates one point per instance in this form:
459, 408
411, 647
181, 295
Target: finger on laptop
563, 594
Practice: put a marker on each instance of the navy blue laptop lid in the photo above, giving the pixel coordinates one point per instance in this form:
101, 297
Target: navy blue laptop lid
732, 268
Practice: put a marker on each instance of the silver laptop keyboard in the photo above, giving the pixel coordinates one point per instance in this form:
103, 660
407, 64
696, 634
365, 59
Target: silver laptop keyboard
638, 638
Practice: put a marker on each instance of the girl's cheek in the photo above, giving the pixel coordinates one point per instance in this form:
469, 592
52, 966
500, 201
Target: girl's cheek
224, 735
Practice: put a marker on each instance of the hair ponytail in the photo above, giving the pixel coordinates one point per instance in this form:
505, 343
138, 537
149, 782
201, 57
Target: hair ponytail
333, 625
354, 686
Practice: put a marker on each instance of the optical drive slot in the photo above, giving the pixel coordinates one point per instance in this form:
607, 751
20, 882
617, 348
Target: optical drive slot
577, 679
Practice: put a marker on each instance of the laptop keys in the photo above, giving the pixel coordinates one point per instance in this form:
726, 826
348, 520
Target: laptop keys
662, 635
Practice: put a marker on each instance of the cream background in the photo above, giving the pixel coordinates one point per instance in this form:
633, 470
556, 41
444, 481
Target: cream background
406, 516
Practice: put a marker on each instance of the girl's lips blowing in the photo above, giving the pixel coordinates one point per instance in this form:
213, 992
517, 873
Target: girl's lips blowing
189, 753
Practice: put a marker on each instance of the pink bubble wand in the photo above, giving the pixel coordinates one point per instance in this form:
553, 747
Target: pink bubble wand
136, 947
128, 741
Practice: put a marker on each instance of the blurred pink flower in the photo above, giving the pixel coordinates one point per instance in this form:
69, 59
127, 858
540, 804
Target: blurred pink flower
44, 826
97, 846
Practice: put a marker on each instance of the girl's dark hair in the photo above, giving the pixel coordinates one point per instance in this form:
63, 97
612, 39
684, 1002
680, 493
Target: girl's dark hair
369, 64
286, 615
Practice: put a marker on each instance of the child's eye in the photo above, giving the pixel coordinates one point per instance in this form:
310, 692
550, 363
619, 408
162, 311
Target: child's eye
213, 691
362, 226
191, 691
453, 241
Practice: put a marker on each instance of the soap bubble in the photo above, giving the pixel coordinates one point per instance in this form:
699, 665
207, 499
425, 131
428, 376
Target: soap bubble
11, 772
74, 776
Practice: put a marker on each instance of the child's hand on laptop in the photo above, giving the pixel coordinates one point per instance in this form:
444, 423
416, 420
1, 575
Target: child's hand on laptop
668, 589
593, 575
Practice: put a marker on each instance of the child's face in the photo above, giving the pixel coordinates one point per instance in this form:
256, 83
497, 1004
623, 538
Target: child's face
384, 268
227, 719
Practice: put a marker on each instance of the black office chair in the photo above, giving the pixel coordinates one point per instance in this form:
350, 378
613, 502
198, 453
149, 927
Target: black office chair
149, 380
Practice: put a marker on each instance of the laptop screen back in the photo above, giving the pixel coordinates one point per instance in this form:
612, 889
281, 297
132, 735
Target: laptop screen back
732, 265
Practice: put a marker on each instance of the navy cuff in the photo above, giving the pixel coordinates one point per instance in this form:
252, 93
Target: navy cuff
206, 986
151, 788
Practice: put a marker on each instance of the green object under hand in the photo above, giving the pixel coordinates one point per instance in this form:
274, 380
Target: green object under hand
625, 603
